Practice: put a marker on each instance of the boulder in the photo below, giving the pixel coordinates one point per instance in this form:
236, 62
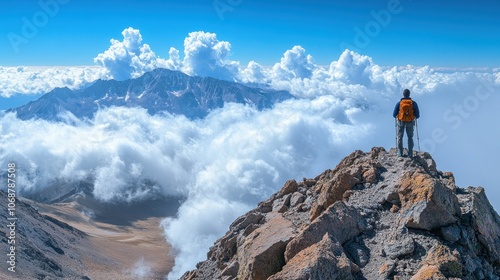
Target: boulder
323, 260
426, 202
440, 263
262, 252
339, 221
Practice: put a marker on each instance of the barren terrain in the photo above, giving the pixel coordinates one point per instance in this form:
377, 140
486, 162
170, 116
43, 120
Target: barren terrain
136, 251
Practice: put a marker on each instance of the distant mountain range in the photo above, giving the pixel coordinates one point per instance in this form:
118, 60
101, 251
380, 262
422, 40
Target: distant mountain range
157, 91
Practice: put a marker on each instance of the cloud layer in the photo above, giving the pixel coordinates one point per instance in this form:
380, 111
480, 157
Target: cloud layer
226, 163
39, 80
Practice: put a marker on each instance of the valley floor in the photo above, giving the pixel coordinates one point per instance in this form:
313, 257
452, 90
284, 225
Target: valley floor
136, 251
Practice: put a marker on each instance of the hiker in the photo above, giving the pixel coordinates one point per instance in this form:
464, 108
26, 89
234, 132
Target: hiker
406, 112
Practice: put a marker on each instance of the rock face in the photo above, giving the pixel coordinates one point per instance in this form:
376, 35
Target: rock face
375, 216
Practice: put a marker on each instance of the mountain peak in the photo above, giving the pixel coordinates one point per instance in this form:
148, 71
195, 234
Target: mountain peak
374, 216
160, 90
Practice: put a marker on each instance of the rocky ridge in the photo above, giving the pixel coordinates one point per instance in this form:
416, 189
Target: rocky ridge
375, 216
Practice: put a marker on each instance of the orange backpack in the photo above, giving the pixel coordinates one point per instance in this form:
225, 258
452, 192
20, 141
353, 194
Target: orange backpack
406, 110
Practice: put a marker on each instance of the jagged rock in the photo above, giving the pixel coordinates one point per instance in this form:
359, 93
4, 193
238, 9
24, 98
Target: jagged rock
374, 216
451, 233
332, 191
358, 253
296, 199
487, 222
440, 263
289, 187
399, 248
332, 185
262, 253
324, 260
387, 269
249, 219
281, 204
426, 202
339, 221
428, 272
309, 182
231, 270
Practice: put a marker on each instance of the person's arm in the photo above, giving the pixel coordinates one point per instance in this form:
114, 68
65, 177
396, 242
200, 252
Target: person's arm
416, 111
396, 110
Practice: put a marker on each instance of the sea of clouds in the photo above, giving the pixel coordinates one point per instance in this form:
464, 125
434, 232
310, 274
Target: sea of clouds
237, 156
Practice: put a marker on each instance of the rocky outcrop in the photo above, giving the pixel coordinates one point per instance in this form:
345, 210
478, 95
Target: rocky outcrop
375, 216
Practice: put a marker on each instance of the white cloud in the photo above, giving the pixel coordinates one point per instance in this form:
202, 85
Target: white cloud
254, 73
206, 56
130, 58
206, 216
295, 63
353, 68
37, 80
142, 270
174, 62
115, 150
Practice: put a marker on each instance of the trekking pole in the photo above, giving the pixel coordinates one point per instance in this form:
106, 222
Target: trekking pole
418, 138
396, 127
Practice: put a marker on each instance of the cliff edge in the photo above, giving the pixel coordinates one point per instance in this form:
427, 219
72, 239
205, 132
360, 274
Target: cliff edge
375, 216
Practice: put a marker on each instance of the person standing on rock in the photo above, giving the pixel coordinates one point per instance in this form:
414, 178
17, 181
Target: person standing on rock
405, 112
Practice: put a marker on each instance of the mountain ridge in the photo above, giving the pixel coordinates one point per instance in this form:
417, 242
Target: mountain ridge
160, 90
375, 216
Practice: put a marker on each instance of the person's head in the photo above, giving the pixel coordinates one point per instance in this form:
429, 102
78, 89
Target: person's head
406, 93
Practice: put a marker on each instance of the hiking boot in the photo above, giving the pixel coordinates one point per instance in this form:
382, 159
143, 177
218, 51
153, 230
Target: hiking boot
410, 154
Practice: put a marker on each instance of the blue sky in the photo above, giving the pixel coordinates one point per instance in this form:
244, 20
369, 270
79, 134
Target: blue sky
435, 33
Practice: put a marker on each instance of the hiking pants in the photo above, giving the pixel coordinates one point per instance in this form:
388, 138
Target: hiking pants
408, 126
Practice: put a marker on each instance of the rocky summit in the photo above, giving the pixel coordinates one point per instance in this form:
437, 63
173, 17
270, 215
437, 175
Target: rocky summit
375, 216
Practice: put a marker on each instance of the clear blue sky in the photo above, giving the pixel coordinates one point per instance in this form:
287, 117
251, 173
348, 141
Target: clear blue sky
420, 32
